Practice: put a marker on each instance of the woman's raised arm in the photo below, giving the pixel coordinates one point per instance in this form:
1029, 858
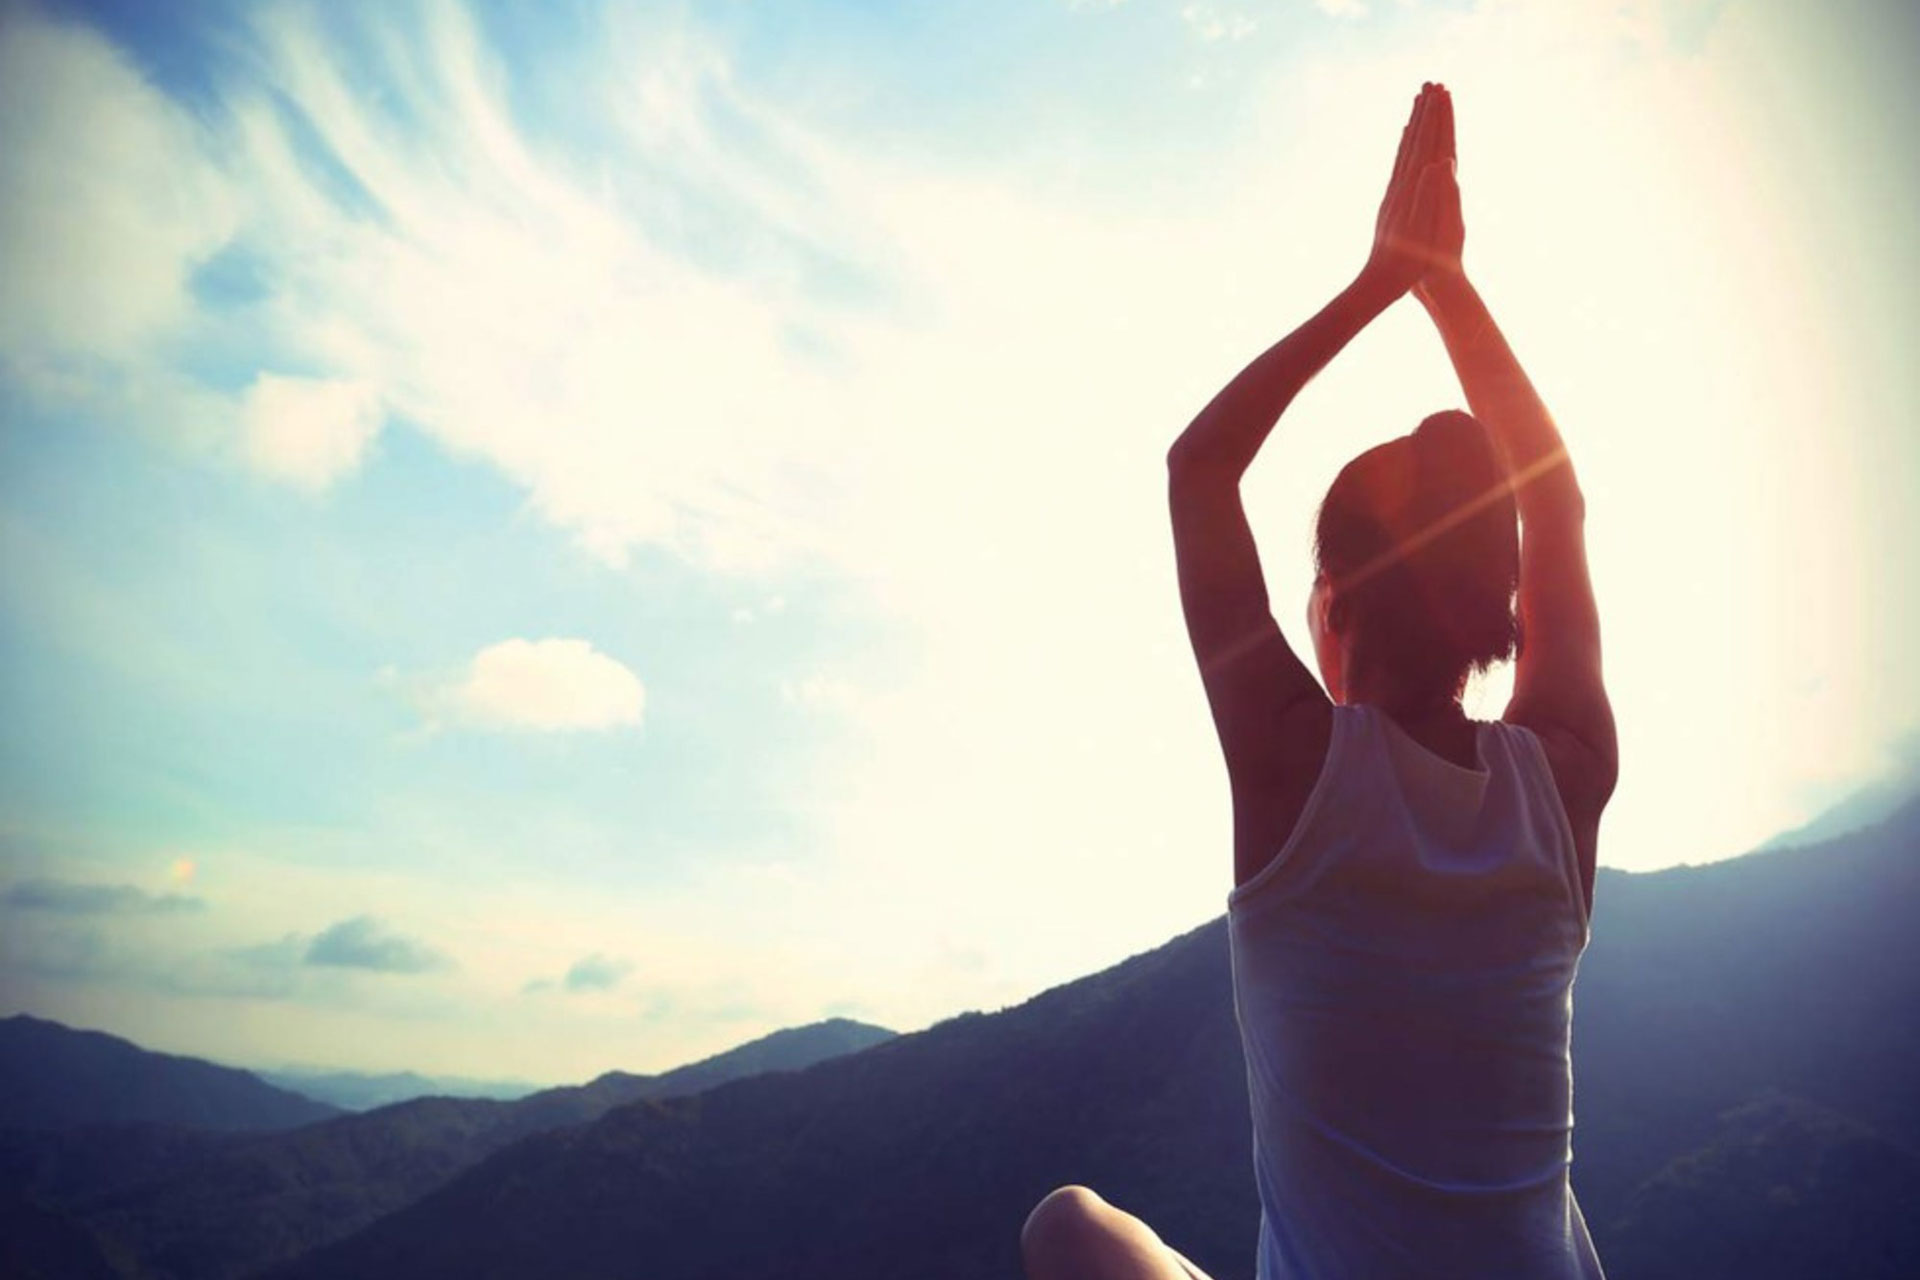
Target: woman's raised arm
1558, 689
1269, 711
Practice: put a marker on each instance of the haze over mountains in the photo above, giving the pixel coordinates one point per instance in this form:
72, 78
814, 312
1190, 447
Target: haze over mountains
365, 1090
1746, 1042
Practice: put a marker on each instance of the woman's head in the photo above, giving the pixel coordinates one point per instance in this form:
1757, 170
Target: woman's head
1416, 558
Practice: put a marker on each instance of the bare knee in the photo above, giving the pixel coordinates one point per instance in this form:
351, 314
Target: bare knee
1060, 1228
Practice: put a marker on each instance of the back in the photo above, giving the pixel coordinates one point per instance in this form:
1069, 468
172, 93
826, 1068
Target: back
1403, 974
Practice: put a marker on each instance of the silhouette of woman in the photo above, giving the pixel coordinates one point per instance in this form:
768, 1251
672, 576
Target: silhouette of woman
1412, 888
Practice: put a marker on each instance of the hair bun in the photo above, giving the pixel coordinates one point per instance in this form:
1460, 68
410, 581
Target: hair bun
1455, 456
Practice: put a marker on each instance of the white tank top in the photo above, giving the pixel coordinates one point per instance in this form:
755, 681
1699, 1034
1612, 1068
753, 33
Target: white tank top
1403, 974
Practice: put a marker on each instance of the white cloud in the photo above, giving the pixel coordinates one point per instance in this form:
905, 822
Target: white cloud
547, 685
110, 200
308, 431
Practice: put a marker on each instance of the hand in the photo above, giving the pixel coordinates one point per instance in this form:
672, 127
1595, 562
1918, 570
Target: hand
1419, 231
1444, 267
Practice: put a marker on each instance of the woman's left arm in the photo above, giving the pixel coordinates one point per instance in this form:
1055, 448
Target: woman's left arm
1270, 713
1271, 716
1221, 587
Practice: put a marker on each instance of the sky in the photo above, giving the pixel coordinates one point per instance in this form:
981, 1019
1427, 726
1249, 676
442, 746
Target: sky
544, 538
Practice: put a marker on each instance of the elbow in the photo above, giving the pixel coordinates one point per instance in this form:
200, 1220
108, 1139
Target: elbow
1576, 503
1187, 463
1552, 496
1180, 456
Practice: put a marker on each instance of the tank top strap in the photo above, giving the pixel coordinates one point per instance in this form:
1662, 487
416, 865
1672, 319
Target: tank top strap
1351, 773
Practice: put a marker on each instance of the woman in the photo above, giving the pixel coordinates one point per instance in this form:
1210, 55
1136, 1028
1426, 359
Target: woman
1412, 888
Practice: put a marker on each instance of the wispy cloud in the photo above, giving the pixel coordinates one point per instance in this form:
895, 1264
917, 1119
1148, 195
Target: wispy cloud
364, 943
66, 897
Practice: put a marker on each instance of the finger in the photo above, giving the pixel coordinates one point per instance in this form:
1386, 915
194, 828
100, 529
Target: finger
1444, 110
1414, 154
1430, 198
1430, 127
1403, 158
1418, 139
1454, 225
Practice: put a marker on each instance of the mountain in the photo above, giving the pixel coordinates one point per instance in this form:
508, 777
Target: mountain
1783, 1188
1796, 970
228, 1208
1722, 1012
363, 1091
54, 1077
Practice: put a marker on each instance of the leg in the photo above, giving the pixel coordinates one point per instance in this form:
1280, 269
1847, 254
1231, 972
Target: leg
1075, 1235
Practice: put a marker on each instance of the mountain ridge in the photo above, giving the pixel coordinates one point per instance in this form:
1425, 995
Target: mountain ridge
53, 1077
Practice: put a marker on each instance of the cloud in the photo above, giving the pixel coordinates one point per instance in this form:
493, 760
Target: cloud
62, 954
578, 327
111, 198
596, 973
550, 685
308, 431
65, 897
364, 943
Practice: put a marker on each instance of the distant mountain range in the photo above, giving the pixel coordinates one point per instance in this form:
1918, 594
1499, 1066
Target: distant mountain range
191, 1204
365, 1090
52, 1077
1746, 1042
1866, 807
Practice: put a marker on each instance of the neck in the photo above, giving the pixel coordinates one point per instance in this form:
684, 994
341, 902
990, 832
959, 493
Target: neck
1402, 702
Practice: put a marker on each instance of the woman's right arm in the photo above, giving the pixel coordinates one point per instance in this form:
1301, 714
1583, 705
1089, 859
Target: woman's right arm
1558, 691
1557, 680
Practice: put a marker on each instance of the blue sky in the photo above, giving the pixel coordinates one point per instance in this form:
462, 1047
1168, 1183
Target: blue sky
672, 495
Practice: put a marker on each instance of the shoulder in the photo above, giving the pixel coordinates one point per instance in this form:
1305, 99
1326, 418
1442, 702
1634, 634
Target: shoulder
1583, 779
1584, 770
1268, 809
